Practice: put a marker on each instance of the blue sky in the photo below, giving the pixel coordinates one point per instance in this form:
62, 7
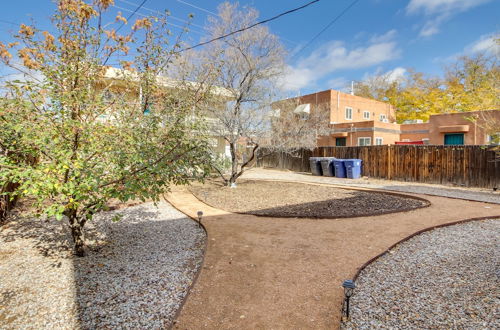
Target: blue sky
373, 37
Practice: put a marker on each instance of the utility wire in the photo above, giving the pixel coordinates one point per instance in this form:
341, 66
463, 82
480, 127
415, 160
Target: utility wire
249, 27
326, 27
199, 8
160, 13
7, 22
143, 15
133, 13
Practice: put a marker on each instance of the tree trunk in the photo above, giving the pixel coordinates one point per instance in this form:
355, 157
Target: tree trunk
234, 164
235, 174
77, 234
6, 203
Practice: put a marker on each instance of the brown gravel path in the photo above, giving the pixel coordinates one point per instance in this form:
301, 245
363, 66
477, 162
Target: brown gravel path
276, 273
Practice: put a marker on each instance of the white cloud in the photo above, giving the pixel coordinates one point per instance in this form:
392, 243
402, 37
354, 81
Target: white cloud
388, 36
296, 78
338, 83
431, 27
395, 74
439, 11
486, 43
336, 56
431, 7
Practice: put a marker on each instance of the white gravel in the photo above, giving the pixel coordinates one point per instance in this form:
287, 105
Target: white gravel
135, 276
447, 278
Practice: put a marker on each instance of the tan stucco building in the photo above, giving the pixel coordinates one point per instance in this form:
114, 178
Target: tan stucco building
465, 128
359, 121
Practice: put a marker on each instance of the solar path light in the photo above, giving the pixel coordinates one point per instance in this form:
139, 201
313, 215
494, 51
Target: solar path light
200, 214
349, 287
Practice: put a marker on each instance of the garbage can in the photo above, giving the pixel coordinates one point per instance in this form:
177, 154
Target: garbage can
327, 166
353, 168
315, 163
339, 168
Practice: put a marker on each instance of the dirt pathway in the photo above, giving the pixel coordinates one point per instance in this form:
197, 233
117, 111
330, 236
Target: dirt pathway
273, 273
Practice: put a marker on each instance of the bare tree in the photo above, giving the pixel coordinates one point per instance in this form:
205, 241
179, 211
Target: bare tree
247, 65
292, 130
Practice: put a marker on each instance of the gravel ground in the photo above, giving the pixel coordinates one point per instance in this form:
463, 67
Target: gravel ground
474, 194
136, 274
283, 199
447, 278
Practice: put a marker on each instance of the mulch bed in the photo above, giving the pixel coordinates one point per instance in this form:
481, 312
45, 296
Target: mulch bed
283, 199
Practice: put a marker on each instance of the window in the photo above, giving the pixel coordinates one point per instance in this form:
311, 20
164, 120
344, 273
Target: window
379, 141
364, 141
454, 139
340, 142
493, 139
366, 114
348, 113
383, 117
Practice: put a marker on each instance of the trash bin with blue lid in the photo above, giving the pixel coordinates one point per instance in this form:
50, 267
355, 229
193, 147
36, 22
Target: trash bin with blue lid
339, 168
353, 168
327, 166
315, 164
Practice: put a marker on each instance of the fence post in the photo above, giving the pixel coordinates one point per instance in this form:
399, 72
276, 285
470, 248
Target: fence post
389, 163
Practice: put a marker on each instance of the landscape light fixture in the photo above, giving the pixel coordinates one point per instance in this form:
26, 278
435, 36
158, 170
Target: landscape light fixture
349, 287
200, 214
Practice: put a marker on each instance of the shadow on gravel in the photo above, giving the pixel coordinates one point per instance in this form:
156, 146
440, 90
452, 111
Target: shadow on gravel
51, 238
135, 274
136, 271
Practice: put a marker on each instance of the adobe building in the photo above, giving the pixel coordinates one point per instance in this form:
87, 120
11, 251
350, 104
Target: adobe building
353, 119
359, 121
343, 108
463, 128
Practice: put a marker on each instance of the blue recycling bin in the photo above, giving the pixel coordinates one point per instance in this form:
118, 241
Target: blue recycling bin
315, 163
339, 168
353, 168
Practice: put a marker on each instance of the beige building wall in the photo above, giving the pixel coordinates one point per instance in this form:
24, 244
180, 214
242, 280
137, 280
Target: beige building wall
360, 106
337, 102
474, 132
414, 132
358, 125
352, 132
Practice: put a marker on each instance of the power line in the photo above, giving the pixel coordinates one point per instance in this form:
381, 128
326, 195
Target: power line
140, 14
249, 27
133, 13
326, 27
199, 8
160, 13
8, 22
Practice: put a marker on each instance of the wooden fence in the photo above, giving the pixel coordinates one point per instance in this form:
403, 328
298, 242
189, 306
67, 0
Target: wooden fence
471, 166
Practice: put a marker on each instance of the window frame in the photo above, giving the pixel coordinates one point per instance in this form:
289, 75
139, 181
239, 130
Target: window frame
364, 138
350, 113
364, 114
382, 117
377, 139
